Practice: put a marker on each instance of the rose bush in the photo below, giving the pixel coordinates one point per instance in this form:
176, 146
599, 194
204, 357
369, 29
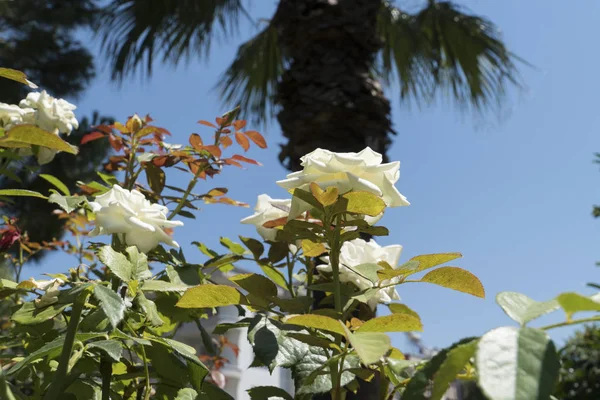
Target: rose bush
107, 327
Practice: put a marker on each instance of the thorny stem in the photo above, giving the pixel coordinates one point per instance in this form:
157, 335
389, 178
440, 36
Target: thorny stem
61, 372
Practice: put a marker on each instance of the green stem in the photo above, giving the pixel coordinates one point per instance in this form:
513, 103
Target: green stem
106, 372
290, 266
334, 257
147, 373
573, 322
58, 381
187, 192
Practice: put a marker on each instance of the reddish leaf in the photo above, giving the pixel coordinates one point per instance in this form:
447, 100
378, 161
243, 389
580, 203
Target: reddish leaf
245, 159
196, 142
230, 161
225, 130
90, 137
207, 123
225, 141
257, 138
115, 142
239, 124
242, 141
222, 122
214, 150
275, 223
104, 128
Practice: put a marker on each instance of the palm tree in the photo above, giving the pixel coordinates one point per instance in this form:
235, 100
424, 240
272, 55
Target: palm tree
317, 64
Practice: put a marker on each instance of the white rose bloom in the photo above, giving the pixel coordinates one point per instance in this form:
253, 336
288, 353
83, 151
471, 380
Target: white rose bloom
356, 252
268, 209
11, 115
129, 214
53, 115
361, 171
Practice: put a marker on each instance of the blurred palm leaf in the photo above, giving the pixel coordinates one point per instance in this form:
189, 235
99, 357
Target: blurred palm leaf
137, 30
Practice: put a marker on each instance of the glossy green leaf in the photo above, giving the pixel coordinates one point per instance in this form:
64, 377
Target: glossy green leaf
210, 296
235, 248
278, 251
149, 307
21, 192
112, 305
574, 302
213, 392
139, 264
29, 314
163, 286
256, 247
57, 183
317, 322
116, 262
275, 275
515, 364
392, 323
455, 362
255, 284
32, 135
267, 392
112, 348
457, 279
522, 309
365, 203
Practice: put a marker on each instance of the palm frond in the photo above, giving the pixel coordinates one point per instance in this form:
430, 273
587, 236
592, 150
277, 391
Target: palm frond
443, 49
135, 31
251, 79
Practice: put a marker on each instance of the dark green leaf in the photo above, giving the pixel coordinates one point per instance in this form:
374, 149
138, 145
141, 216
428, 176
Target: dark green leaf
112, 305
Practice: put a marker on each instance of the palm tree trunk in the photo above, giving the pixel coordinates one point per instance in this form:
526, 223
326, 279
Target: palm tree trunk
328, 95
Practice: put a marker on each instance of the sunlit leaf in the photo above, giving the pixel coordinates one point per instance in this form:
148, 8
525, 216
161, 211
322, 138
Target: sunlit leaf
209, 296
457, 279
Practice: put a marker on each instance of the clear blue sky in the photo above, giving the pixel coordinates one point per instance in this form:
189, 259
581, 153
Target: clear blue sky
513, 194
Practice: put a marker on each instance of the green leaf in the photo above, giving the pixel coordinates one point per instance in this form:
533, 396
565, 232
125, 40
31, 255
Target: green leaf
265, 346
255, 284
109, 179
213, 392
32, 135
156, 177
326, 197
139, 264
370, 346
312, 249
426, 261
254, 246
454, 363
275, 275
397, 308
67, 203
112, 348
305, 197
235, 248
5, 391
150, 309
367, 270
21, 192
266, 392
392, 323
116, 262
225, 326
365, 203
163, 286
515, 364
457, 279
573, 302
29, 314
57, 183
522, 309
317, 322
16, 75
211, 296
112, 305
186, 394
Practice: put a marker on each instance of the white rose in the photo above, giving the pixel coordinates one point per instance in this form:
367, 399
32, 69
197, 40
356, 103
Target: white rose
129, 214
11, 115
356, 252
268, 209
361, 171
53, 115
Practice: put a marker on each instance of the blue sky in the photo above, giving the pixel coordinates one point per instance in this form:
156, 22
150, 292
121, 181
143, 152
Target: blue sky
512, 193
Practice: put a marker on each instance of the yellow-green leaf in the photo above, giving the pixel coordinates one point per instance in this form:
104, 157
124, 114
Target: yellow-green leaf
312, 249
32, 135
255, 284
209, 296
21, 192
316, 321
457, 279
397, 308
275, 275
18, 76
370, 346
57, 183
426, 261
396, 354
365, 203
325, 197
392, 323
574, 302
